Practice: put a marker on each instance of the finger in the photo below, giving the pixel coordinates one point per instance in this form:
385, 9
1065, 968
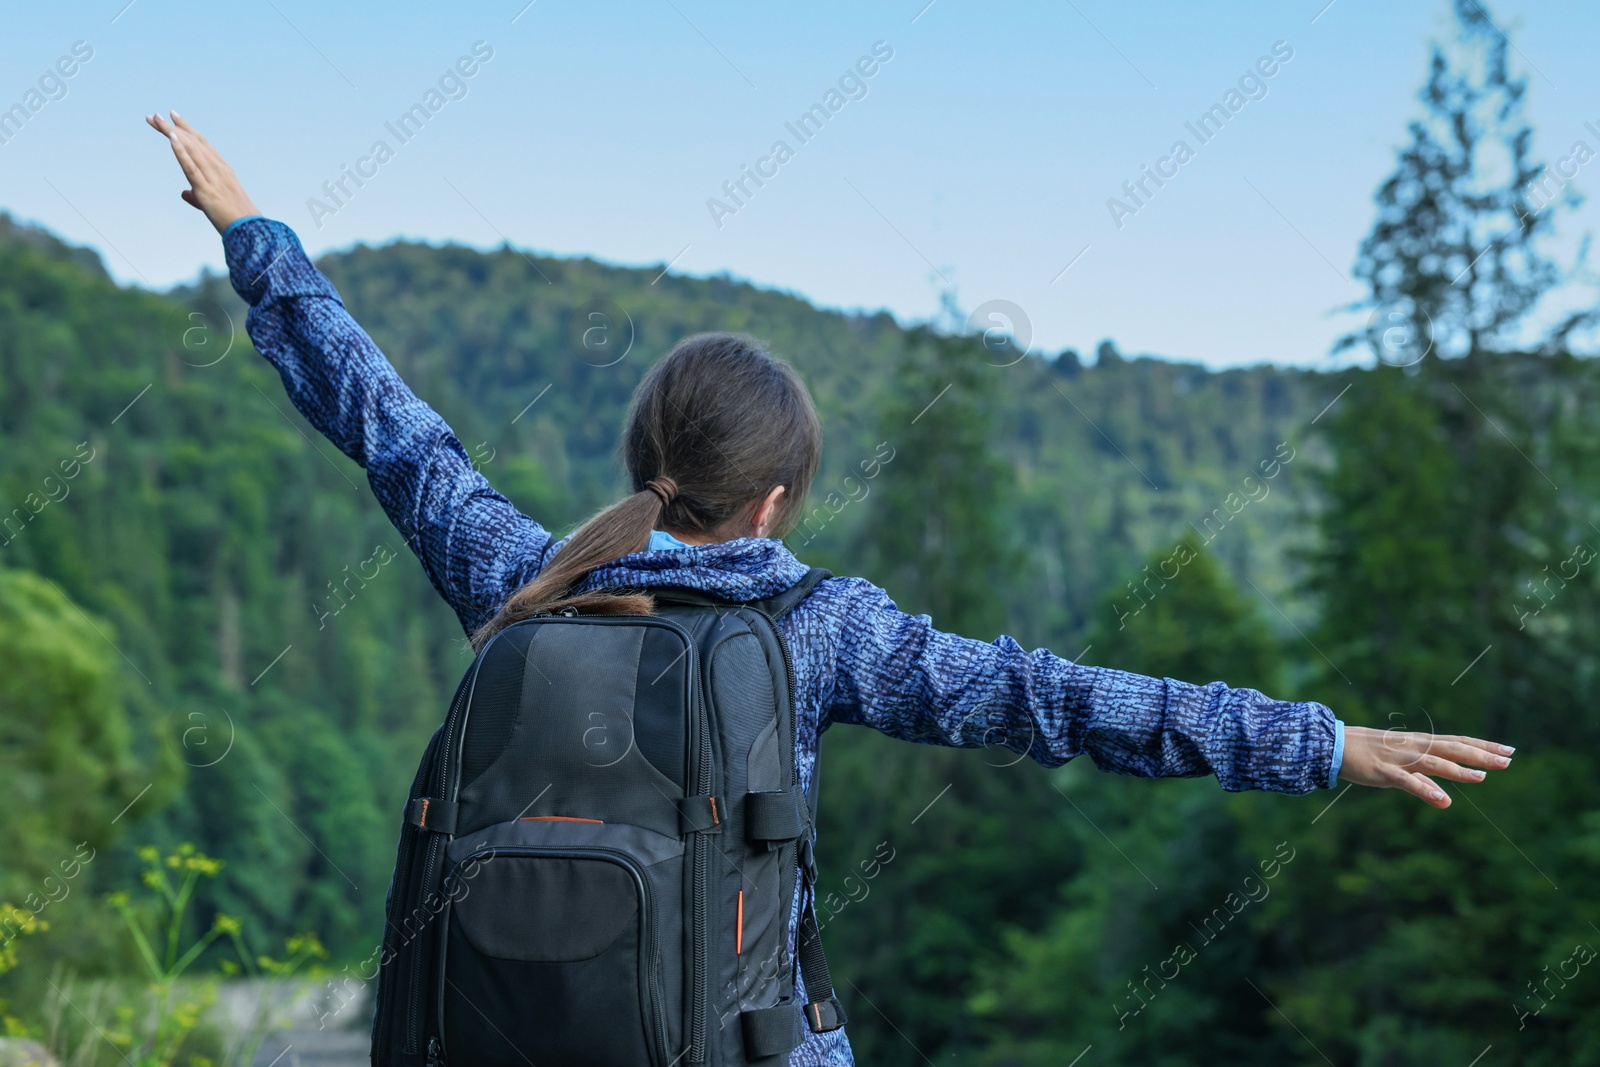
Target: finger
196, 137
184, 150
156, 123
1443, 768
184, 124
180, 152
1423, 787
188, 198
1471, 755
1477, 742
1469, 750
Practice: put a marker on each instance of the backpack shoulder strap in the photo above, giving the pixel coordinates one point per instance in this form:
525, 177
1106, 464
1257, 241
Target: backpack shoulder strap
777, 606
780, 604
822, 1010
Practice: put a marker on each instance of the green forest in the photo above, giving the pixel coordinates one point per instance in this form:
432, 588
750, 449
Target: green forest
219, 664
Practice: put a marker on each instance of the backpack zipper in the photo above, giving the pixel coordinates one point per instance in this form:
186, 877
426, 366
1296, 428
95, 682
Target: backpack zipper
700, 978
399, 888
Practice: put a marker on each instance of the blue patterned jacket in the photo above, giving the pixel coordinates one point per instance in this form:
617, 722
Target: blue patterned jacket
858, 659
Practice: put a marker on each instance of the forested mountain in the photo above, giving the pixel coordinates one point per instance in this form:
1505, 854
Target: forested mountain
201, 598
272, 659
1110, 459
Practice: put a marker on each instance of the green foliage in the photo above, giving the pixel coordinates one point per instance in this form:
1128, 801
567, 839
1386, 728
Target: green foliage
183, 609
1146, 947
936, 529
1426, 936
972, 834
16, 922
66, 744
1196, 626
165, 955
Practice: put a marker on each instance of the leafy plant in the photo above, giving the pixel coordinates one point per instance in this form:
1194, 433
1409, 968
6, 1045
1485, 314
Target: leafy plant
15, 922
177, 1010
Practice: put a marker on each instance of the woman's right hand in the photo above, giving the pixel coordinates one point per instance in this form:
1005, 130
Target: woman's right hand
1395, 759
213, 186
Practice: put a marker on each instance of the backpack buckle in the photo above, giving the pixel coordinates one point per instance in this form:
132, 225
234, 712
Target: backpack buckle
808, 860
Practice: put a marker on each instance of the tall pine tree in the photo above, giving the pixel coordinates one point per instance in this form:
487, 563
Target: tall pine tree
973, 834
1159, 859
1415, 940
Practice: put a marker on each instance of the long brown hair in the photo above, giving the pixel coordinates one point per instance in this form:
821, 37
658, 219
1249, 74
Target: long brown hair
712, 429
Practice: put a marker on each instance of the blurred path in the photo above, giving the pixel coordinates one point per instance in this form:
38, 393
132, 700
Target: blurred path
316, 1048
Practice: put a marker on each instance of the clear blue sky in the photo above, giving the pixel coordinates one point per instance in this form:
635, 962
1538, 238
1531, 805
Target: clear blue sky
986, 148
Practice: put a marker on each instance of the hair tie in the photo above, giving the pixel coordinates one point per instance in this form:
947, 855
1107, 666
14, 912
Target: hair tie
665, 489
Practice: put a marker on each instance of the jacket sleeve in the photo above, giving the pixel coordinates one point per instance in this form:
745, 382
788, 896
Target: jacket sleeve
895, 673
475, 546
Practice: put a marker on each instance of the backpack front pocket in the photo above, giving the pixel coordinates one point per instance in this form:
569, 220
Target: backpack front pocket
551, 957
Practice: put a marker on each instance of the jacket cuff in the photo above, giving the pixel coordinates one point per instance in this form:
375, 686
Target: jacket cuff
1337, 763
242, 218
266, 258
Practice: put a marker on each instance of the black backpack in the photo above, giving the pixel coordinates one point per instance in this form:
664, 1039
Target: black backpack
599, 854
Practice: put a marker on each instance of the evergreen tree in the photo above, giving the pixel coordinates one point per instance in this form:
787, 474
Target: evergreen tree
1196, 627
974, 834
1409, 942
1412, 944
1453, 260
936, 534
1138, 960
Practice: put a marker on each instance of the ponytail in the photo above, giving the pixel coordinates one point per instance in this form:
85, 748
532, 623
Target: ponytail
619, 530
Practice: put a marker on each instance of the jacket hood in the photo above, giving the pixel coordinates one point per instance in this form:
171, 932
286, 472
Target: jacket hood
750, 568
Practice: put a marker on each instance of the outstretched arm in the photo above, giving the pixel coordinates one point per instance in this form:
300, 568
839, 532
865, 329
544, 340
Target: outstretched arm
896, 673
476, 547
